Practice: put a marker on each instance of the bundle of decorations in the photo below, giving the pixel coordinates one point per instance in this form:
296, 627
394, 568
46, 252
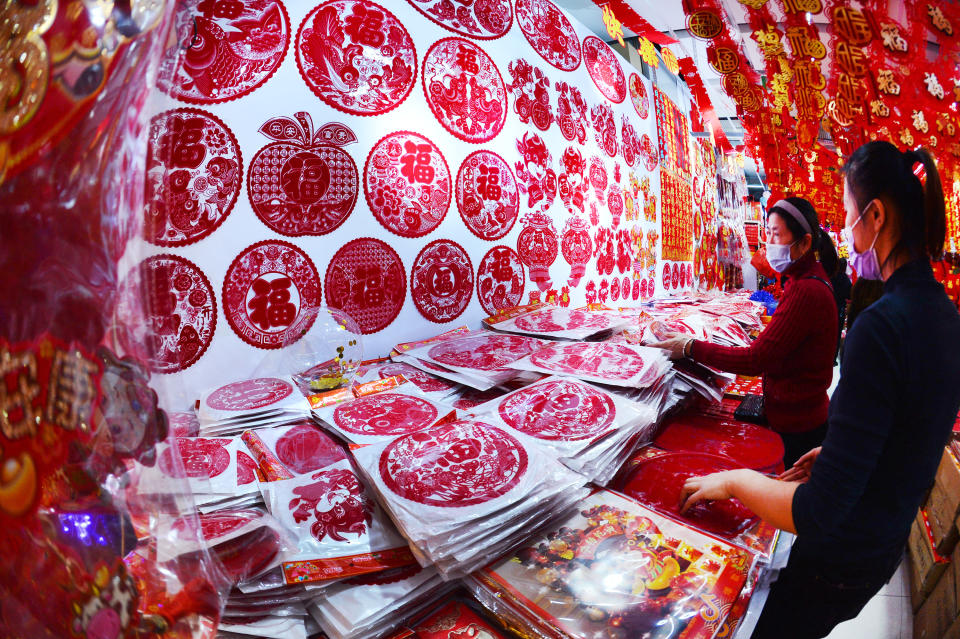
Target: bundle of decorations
616, 569
433, 387
454, 617
613, 363
251, 403
465, 490
559, 323
478, 359
590, 430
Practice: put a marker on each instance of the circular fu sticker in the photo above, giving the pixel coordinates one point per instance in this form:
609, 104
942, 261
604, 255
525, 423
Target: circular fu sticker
487, 195
485, 20
181, 313
559, 411
459, 464
464, 90
605, 69
269, 294
304, 183
441, 281
598, 359
249, 394
193, 175
639, 97
549, 33
385, 414
356, 56
407, 184
366, 280
305, 448
500, 279
223, 50
202, 458
483, 352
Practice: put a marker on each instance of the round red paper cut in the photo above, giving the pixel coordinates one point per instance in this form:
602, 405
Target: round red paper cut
407, 184
675, 278
487, 195
501, 279
471, 398
539, 322
441, 281
422, 380
559, 411
217, 524
366, 280
223, 50
270, 293
485, 20
459, 464
385, 414
250, 394
548, 320
464, 89
597, 359
658, 483
303, 183
202, 458
639, 96
666, 276
483, 352
549, 33
649, 152
748, 445
246, 468
305, 448
180, 313
605, 69
356, 56
193, 175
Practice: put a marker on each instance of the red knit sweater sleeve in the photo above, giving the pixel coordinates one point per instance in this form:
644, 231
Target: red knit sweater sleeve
781, 337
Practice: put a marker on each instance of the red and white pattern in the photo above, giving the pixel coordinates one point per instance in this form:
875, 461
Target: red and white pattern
576, 247
602, 362
249, 394
407, 184
605, 69
246, 469
549, 33
441, 281
459, 464
356, 56
648, 152
500, 280
366, 280
181, 313
193, 175
604, 128
537, 179
304, 183
269, 293
571, 183
465, 90
615, 203
484, 352
424, 381
304, 448
202, 458
531, 94
487, 195
485, 20
639, 96
334, 502
559, 410
385, 415
538, 247
629, 142
572, 117
223, 50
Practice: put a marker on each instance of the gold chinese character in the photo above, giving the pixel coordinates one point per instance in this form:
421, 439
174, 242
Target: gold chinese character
614, 26
906, 137
72, 390
892, 38
886, 82
851, 59
705, 25
769, 41
802, 45
852, 25
648, 52
724, 60
18, 415
802, 6
808, 74
850, 88
933, 85
919, 121
879, 109
939, 20
753, 4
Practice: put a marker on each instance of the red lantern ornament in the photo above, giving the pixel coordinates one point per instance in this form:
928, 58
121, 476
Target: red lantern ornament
538, 246
576, 247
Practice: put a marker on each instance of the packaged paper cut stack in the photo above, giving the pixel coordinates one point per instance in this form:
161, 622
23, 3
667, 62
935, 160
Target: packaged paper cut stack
464, 490
479, 359
601, 362
251, 403
456, 616
430, 385
587, 428
372, 605
258, 626
560, 323
615, 569
705, 381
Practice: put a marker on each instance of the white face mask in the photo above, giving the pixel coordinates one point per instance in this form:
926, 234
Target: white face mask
778, 255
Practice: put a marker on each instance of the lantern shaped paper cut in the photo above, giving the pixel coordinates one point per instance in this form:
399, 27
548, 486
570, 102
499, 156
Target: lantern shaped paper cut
538, 246
577, 248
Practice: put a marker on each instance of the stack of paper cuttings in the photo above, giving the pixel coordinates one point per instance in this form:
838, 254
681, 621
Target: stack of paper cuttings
251, 403
561, 323
601, 362
430, 385
465, 490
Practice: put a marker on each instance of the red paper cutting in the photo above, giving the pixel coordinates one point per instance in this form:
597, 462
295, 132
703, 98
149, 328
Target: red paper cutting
485, 20
366, 280
487, 195
441, 281
549, 32
604, 69
385, 414
501, 279
559, 411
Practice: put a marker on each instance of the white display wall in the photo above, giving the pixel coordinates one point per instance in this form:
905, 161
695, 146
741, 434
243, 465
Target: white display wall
363, 156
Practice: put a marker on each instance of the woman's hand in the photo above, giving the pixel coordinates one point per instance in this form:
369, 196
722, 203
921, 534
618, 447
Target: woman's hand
800, 471
673, 346
709, 487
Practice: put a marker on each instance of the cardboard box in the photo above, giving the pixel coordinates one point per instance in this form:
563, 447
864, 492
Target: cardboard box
939, 611
943, 504
926, 564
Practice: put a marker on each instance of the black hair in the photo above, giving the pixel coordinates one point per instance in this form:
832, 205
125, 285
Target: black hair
879, 170
820, 242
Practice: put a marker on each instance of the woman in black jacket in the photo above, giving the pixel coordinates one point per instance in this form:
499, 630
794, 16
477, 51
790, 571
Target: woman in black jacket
852, 501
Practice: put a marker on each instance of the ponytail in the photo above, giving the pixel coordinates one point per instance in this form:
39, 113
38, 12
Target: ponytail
827, 253
934, 209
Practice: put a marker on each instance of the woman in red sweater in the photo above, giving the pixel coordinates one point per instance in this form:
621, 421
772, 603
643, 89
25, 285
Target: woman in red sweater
795, 353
